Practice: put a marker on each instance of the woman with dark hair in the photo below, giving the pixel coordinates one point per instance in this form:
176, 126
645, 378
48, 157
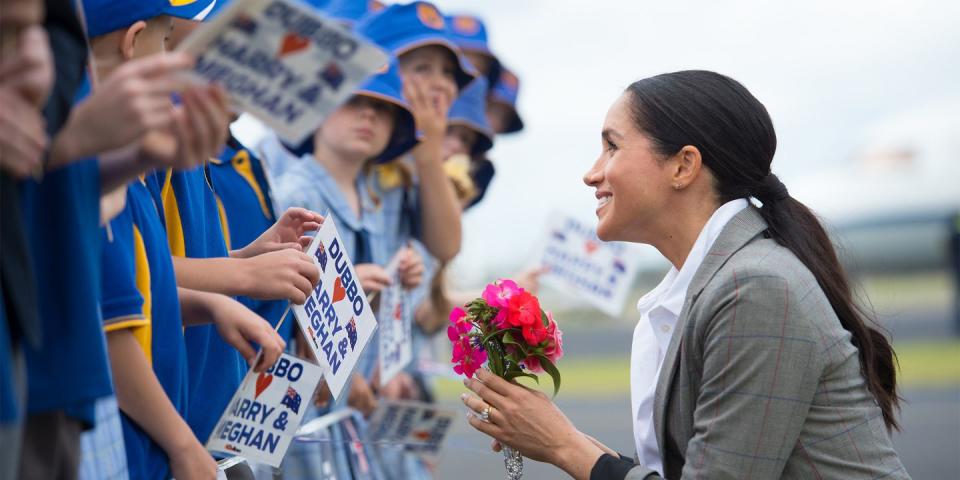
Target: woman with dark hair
750, 359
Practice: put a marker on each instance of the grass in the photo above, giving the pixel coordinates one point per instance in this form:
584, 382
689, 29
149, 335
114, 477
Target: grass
922, 365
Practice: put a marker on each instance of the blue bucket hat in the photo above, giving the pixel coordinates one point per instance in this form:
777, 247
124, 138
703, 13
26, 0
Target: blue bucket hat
505, 91
384, 86
352, 11
105, 16
469, 110
470, 34
402, 28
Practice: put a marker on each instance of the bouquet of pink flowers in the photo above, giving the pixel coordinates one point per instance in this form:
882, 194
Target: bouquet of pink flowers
507, 329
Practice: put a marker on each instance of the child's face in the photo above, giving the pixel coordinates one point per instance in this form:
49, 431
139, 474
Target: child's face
361, 128
459, 139
432, 66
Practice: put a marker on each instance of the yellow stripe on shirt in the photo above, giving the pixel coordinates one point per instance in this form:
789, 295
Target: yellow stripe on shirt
171, 213
241, 163
143, 334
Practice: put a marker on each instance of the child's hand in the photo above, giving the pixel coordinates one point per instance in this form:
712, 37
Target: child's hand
529, 279
192, 462
430, 108
361, 396
200, 125
239, 326
411, 268
373, 278
22, 135
285, 233
281, 274
400, 387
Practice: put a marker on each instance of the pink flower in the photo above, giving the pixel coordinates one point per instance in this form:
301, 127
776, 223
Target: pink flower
498, 293
453, 334
523, 309
554, 348
460, 321
466, 358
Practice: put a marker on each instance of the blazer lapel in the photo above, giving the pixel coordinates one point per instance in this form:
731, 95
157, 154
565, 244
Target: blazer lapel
738, 232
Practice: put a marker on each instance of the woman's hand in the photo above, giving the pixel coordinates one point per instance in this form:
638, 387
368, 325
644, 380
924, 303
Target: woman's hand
530, 422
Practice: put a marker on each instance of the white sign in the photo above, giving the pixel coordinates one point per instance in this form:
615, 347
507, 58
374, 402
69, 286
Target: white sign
420, 427
396, 335
266, 411
336, 319
283, 62
581, 264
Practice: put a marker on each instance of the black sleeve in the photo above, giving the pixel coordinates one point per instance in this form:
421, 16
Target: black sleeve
609, 467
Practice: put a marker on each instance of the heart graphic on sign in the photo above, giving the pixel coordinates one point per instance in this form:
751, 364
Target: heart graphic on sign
263, 381
421, 435
590, 246
292, 43
338, 291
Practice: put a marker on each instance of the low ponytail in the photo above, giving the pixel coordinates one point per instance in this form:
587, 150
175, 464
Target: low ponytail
737, 142
794, 226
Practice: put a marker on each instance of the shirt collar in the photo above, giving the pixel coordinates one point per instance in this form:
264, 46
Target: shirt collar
327, 188
672, 290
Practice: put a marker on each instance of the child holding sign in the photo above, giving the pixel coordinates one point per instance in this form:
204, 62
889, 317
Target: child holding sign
374, 125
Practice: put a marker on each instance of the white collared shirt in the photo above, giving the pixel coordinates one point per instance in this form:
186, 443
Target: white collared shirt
659, 311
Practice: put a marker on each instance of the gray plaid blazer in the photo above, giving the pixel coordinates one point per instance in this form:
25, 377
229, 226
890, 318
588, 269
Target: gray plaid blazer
760, 381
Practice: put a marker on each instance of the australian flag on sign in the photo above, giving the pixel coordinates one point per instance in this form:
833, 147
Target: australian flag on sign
291, 400
332, 75
352, 332
321, 255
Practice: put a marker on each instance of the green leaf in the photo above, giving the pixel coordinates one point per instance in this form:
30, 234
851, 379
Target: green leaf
509, 340
551, 370
543, 318
519, 373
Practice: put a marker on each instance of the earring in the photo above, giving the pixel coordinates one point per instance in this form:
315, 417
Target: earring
677, 186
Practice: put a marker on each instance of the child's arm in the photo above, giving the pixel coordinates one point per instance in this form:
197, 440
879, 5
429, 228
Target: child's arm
141, 398
440, 208
237, 325
281, 274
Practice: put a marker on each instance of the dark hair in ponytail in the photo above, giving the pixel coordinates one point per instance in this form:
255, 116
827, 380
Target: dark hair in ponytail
736, 139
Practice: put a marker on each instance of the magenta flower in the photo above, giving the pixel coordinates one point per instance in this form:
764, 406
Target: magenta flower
554, 348
497, 293
460, 321
467, 359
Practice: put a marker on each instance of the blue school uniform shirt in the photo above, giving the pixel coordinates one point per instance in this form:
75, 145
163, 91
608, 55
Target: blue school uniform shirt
246, 209
194, 230
69, 370
140, 294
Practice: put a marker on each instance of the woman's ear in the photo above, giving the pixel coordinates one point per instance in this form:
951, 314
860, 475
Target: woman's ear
686, 167
128, 43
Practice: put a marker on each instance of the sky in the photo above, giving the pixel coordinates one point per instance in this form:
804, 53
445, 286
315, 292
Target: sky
832, 74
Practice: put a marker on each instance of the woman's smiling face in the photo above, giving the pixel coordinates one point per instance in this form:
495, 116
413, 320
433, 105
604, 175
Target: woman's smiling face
631, 179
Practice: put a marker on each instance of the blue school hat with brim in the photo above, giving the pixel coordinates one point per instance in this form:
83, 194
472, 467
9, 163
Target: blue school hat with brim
105, 16
402, 28
470, 34
470, 110
352, 11
505, 91
196, 10
386, 86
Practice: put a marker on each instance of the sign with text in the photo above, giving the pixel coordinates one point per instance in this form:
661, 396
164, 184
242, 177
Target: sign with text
266, 411
336, 319
581, 264
396, 334
420, 427
283, 62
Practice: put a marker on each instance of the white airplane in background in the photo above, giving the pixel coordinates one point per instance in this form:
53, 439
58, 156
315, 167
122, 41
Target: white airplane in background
895, 206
